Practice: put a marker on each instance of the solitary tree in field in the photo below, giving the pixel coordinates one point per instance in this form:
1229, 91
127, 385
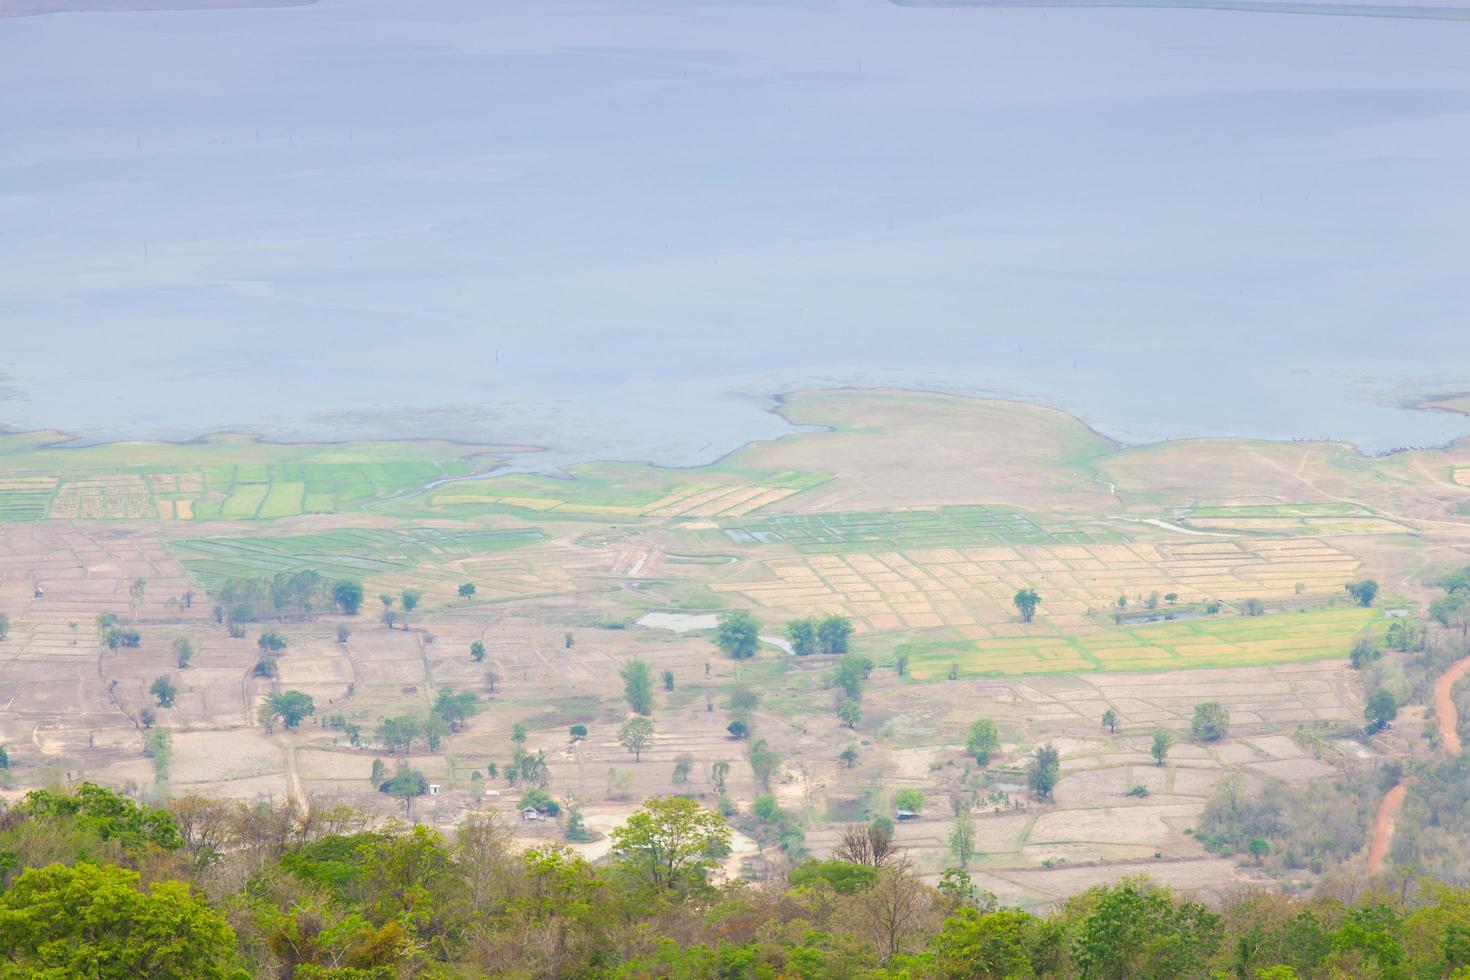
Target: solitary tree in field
738, 729
911, 800
636, 735
183, 651
849, 755
291, 708
1363, 592
668, 680
850, 712
1110, 721
5, 626
1163, 740
406, 784
410, 599
271, 642
477, 651
1044, 771
467, 591
962, 840
982, 740
737, 635
1026, 601
347, 596
164, 690
1211, 721
456, 708
637, 685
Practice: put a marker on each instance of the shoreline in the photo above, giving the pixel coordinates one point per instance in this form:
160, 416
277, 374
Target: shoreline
779, 405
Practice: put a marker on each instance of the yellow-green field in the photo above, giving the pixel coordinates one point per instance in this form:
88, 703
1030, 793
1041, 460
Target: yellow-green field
1237, 641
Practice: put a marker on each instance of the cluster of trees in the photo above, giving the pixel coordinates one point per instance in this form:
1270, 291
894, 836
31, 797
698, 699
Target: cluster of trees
215, 889
300, 593
827, 635
451, 712
738, 635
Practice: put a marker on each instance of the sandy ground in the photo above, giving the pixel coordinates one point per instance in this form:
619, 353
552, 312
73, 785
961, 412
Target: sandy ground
1383, 826
1444, 707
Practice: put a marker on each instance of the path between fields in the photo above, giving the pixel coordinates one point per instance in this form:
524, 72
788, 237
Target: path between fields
1444, 706
1383, 824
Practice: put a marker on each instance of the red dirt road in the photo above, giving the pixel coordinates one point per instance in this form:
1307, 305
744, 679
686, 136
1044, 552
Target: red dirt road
1444, 706
1383, 823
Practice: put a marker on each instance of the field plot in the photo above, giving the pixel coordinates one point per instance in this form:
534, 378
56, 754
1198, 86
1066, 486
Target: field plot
228, 477
626, 490
1462, 477
1299, 519
972, 587
1237, 641
354, 552
895, 530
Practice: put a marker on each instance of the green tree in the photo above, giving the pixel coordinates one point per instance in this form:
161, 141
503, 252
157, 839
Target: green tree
1364, 592
1163, 741
1026, 600
456, 708
738, 729
271, 641
4, 626
380, 772
91, 921
1110, 721
852, 670
578, 732
1211, 721
398, 734
976, 945
410, 599
1381, 709
160, 748
290, 707
962, 840
637, 686
1044, 770
718, 773
467, 590
738, 634
636, 735
668, 678
909, 799
850, 712
477, 652
183, 651
406, 784
982, 740
802, 635
849, 755
164, 690
1136, 930
347, 596
833, 633
666, 843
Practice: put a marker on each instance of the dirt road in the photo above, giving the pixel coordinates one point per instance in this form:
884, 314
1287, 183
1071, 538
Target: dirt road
1444, 706
1383, 823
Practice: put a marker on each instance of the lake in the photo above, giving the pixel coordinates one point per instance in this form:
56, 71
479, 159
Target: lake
618, 228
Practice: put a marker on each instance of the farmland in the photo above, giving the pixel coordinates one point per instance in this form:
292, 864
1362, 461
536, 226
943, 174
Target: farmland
1167, 575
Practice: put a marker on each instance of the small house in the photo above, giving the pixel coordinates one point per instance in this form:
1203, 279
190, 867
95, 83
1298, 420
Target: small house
433, 789
530, 814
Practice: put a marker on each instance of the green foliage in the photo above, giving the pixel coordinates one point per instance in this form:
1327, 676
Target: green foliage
1211, 721
962, 839
1043, 771
637, 685
90, 921
290, 707
163, 689
271, 641
406, 784
455, 708
183, 651
1026, 600
666, 842
398, 734
104, 815
467, 590
477, 652
852, 670
1135, 930
4, 626
850, 712
1382, 708
911, 800
1364, 592
1110, 720
160, 748
1163, 740
802, 635
737, 636
843, 877
636, 735
833, 634
982, 740
578, 731
1367, 648
347, 596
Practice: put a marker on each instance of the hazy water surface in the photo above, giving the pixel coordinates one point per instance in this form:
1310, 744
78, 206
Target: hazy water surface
617, 227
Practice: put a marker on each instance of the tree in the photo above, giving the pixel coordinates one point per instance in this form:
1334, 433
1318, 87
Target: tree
410, 599
1134, 929
1044, 770
738, 729
1110, 721
467, 590
1163, 741
343, 633
718, 773
291, 707
911, 800
898, 905
406, 784
518, 733
97, 921
802, 635
668, 680
1026, 600
164, 691
397, 734
742, 699
1364, 592
160, 748
833, 633
347, 596
852, 670
869, 844
850, 712
849, 755
666, 842
271, 641
477, 652
379, 773
636, 735
1381, 709
982, 740
962, 839
455, 708
4, 626
578, 732
4, 759
183, 651
738, 634
1211, 721
682, 766
637, 685
984, 945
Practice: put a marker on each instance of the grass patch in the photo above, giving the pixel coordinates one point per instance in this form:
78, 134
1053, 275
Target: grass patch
943, 527
1236, 641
